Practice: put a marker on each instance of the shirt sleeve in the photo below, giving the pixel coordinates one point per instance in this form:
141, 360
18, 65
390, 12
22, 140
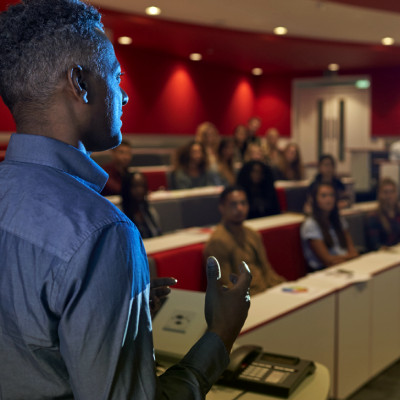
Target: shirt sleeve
310, 230
105, 330
206, 361
345, 224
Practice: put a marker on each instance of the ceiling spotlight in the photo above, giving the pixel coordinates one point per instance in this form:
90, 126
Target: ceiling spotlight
257, 71
124, 40
195, 56
280, 30
333, 67
387, 41
153, 10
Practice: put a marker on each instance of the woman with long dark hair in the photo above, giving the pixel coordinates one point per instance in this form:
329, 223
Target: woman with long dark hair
192, 168
292, 167
257, 179
325, 237
136, 207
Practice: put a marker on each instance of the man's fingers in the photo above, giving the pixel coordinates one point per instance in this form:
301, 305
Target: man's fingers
163, 281
233, 278
213, 270
245, 276
162, 291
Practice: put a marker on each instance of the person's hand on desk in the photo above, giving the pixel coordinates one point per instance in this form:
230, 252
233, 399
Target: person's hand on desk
226, 309
159, 290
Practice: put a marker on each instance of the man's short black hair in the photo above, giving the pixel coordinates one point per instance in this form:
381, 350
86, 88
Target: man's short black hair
39, 41
330, 157
228, 190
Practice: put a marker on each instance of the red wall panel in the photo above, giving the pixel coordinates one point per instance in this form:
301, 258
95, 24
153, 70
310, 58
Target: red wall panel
172, 96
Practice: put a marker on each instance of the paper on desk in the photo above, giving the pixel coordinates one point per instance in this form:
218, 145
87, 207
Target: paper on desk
340, 276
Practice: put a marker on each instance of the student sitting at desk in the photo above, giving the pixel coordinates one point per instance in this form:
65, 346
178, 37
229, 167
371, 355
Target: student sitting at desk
232, 243
192, 168
257, 180
325, 237
383, 226
327, 174
136, 206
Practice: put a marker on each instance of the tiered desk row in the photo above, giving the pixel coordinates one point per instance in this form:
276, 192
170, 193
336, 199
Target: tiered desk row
199, 207
346, 318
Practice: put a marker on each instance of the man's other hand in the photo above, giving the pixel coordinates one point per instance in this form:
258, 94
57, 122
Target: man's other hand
159, 290
226, 309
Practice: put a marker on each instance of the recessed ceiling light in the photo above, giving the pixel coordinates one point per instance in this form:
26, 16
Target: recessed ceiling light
124, 40
257, 71
333, 67
195, 56
387, 41
280, 30
153, 10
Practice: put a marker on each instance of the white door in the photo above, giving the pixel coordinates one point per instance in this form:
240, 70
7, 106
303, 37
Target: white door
333, 120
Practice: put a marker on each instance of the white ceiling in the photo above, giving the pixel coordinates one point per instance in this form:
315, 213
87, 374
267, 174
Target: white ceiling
317, 19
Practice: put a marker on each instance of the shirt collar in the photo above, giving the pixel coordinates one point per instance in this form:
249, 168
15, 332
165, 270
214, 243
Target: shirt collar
50, 152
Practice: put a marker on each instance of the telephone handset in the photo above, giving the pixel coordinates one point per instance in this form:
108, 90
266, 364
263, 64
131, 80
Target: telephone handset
252, 369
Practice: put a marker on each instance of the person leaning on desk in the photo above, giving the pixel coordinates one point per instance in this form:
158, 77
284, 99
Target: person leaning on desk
74, 281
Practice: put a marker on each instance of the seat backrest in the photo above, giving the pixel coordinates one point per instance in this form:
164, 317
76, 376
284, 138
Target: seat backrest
185, 264
284, 251
198, 211
170, 212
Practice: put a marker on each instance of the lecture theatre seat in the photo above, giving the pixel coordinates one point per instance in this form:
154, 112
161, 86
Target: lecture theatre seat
186, 264
281, 193
284, 251
156, 180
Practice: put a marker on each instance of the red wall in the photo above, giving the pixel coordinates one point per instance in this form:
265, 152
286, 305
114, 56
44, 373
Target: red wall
169, 95
172, 96
386, 102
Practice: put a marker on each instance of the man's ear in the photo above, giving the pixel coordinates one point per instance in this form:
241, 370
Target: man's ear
78, 83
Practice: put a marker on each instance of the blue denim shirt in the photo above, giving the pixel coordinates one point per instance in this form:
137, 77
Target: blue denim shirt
74, 288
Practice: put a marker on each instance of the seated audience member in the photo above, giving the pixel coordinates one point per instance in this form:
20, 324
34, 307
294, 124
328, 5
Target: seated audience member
327, 174
232, 242
257, 179
270, 149
117, 168
191, 168
383, 226
226, 153
325, 237
254, 152
253, 125
136, 207
240, 137
394, 151
292, 167
207, 134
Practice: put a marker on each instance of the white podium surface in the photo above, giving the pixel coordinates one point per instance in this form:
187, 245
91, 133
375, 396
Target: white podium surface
314, 387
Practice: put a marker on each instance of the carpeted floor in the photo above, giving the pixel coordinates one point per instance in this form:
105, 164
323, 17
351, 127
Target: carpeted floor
385, 386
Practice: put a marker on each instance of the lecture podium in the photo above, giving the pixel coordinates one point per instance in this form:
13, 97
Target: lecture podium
314, 387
